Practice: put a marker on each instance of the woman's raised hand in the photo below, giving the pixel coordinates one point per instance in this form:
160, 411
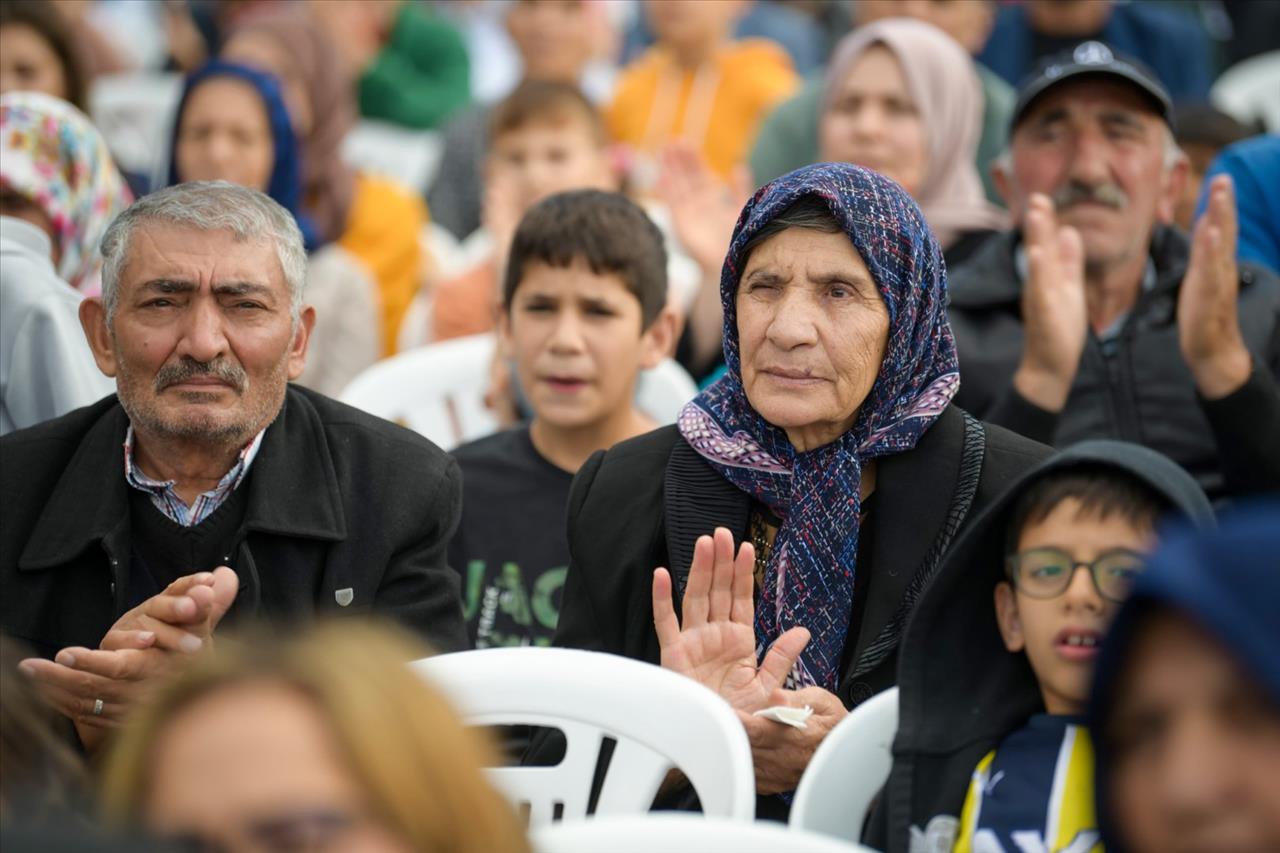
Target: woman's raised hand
716, 645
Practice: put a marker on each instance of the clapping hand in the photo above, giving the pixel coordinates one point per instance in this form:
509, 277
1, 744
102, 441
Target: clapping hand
716, 645
96, 687
704, 210
1055, 320
1208, 320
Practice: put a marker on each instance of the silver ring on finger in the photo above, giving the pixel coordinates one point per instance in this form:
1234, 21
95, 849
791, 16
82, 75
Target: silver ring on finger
97, 707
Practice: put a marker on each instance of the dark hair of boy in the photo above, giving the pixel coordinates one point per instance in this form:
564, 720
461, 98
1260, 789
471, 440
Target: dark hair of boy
1102, 491
45, 18
546, 102
1205, 124
606, 230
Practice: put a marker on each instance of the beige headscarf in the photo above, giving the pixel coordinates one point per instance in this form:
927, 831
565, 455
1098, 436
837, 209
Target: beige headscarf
948, 95
328, 183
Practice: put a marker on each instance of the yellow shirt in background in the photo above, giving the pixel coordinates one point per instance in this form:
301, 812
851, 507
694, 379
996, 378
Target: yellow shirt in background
382, 231
719, 107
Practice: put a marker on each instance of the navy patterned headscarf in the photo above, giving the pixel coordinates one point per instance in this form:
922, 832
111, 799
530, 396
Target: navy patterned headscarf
808, 580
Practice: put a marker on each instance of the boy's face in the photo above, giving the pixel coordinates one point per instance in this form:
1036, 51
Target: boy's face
1062, 635
543, 158
578, 344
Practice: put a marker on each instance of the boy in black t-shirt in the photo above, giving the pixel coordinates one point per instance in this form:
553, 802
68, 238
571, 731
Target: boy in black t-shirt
584, 311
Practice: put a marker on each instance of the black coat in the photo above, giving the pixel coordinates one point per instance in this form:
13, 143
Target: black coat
1142, 392
337, 500
645, 502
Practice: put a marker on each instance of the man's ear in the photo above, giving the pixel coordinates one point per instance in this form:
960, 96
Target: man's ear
1175, 181
301, 337
93, 319
1004, 181
1007, 617
659, 340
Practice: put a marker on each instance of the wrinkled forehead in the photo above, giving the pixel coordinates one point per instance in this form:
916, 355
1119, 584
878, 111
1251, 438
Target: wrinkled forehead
1088, 98
162, 250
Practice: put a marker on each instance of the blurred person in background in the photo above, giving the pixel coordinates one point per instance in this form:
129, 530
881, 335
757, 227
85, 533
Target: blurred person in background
902, 99
38, 52
56, 172
1096, 318
232, 125
46, 366
323, 740
208, 484
544, 138
1201, 131
788, 137
375, 219
697, 84
1186, 701
42, 781
1254, 167
410, 64
556, 41
1170, 41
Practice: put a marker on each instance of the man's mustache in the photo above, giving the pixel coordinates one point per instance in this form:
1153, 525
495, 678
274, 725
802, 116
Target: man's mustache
189, 368
1075, 192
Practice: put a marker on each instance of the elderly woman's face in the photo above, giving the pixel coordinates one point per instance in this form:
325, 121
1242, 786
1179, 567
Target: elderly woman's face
812, 331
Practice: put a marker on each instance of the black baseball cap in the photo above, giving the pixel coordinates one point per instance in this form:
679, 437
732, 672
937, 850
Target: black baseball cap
1096, 59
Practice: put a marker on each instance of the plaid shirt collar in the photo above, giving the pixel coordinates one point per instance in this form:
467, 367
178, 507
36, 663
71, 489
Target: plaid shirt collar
165, 498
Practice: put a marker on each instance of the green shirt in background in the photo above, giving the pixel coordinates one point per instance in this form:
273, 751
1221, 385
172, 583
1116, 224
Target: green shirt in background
422, 74
788, 138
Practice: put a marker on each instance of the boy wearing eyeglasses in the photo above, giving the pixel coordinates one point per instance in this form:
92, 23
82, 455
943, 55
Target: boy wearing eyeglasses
991, 752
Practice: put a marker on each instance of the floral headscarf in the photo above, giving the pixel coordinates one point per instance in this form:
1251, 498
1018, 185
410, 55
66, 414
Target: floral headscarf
808, 580
53, 155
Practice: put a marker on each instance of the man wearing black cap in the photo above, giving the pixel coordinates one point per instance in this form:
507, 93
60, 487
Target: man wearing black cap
1096, 318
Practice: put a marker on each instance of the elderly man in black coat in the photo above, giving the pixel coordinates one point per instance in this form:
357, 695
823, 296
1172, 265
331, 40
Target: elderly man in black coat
208, 486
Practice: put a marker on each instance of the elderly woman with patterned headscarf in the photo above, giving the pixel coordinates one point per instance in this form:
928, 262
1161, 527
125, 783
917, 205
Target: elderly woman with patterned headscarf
804, 499
56, 172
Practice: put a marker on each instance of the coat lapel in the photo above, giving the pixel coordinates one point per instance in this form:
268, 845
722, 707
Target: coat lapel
293, 487
913, 498
697, 500
89, 500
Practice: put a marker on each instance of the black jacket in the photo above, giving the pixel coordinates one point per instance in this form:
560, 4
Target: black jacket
337, 500
1142, 393
644, 503
960, 691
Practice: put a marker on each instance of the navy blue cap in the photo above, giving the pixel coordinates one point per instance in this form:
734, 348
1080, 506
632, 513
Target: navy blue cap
1091, 58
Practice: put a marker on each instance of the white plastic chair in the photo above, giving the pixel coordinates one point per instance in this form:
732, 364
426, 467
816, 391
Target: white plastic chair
659, 719
671, 832
438, 390
409, 157
847, 770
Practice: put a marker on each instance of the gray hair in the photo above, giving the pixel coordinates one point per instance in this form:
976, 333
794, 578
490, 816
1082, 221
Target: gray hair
209, 206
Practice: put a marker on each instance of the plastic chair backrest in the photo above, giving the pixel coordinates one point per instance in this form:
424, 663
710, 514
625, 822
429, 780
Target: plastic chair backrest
659, 719
438, 390
673, 832
848, 769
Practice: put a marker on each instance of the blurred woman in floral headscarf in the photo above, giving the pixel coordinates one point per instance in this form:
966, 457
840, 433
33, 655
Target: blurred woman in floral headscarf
56, 172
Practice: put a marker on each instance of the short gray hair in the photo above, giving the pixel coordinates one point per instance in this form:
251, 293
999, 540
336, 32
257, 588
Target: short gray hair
209, 206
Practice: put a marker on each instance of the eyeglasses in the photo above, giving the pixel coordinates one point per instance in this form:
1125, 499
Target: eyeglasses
301, 832
1047, 572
